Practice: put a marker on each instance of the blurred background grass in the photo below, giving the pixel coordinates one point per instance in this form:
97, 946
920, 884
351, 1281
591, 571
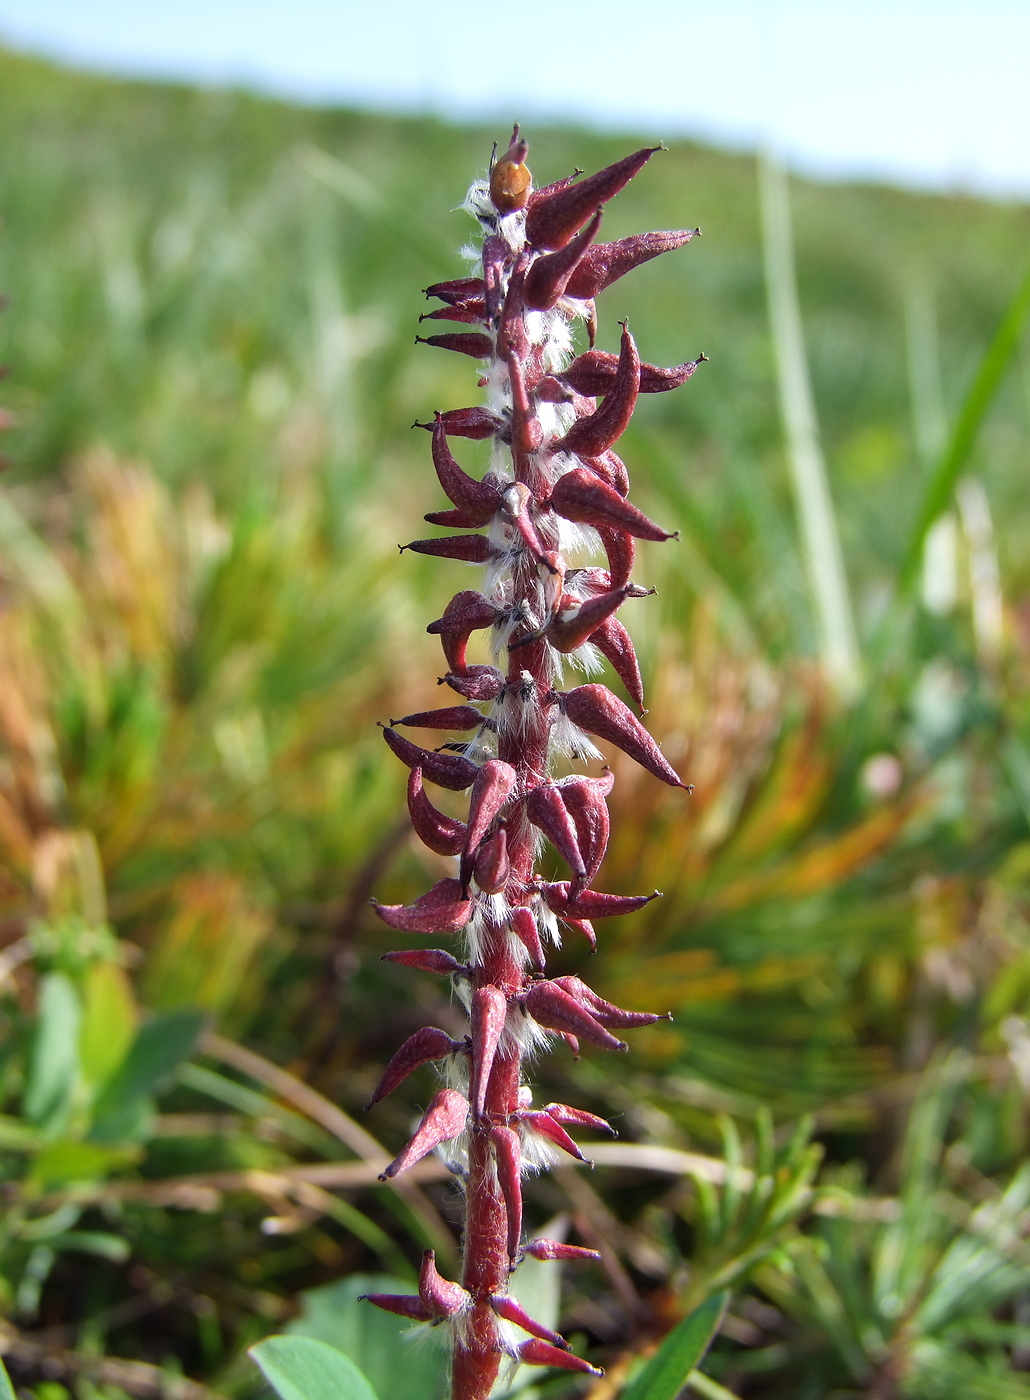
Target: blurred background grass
212, 374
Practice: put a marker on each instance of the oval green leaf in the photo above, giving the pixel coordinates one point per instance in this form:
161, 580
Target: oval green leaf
666, 1373
300, 1368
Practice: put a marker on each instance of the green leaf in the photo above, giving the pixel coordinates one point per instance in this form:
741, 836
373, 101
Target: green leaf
300, 1368
54, 1060
64, 1162
373, 1339
108, 1023
158, 1050
667, 1372
98, 1242
6, 1388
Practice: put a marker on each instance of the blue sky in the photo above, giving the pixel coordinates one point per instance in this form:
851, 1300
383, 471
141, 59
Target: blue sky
930, 92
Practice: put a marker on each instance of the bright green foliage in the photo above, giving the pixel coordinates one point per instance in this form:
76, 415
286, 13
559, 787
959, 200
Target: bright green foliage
667, 1372
910, 1299
302, 1369
374, 1340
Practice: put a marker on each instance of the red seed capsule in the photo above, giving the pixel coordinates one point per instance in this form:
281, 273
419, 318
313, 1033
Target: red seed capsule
593, 373
443, 909
595, 709
585, 803
556, 213
495, 782
578, 1117
442, 834
478, 500
427, 960
475, 423
492, 867
443, 1120
546, 1250
489, 1013
419, 1049
594, 434
535, 1352
512, 1311
616, 646
400, 1303
591, 904
447, 770
548, 277
469, 549
470, 313
467, 612
547, 1127
611, 469
614, 1017
546, 810
524, 925
508, 1157
453, 717
440, 1296
581, 496
457, 292
472, 343
575, 621
621, 551
552, 1006
476, 683
605, 263
454, 519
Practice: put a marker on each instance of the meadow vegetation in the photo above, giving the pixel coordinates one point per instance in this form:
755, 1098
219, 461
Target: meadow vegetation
213, 301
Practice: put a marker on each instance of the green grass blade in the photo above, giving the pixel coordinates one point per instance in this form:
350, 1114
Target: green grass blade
960, 445
668, 1371
820, 537
6, 1388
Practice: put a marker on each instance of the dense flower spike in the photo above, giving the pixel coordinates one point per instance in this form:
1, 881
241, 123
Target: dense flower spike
552, 419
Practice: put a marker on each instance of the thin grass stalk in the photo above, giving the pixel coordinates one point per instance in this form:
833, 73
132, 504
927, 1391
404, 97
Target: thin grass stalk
939, 584
820, 537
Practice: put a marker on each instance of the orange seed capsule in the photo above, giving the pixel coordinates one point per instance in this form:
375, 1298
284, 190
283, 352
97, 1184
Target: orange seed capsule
510, 180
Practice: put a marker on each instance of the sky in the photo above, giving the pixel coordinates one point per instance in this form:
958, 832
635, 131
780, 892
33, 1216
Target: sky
931, 93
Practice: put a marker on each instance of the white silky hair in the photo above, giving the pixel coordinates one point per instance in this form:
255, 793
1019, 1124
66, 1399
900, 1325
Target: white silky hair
568, 740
